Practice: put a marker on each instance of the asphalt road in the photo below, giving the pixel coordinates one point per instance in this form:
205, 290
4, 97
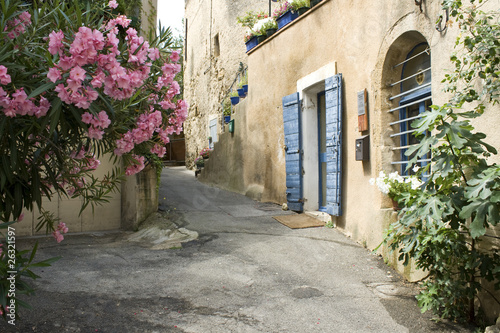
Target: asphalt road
244, 273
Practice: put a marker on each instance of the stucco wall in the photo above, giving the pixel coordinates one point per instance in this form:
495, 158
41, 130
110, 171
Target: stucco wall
104, 217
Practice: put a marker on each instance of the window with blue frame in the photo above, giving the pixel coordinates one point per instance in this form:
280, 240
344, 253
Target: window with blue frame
413, 99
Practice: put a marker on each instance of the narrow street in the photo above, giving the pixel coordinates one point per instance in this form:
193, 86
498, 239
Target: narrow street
246, 272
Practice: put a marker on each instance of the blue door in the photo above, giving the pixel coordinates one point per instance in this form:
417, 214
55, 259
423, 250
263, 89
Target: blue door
333, 105
293, 152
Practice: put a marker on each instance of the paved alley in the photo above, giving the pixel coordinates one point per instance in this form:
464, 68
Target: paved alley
246, 272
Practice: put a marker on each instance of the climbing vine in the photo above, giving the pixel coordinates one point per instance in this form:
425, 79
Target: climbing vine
447, 224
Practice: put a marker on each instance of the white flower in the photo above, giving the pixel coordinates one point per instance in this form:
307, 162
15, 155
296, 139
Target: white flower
415, 183
395, 176
372, 181
415, 168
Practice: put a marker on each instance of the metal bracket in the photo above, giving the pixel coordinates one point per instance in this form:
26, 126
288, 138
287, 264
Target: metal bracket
419, 4
440, 20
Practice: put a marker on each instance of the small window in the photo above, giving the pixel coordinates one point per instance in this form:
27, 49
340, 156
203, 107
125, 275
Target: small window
216, 46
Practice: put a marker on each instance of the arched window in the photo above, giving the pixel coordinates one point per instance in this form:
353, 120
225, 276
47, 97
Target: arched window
413, 99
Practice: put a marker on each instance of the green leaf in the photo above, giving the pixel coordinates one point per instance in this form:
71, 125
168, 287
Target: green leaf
41, 89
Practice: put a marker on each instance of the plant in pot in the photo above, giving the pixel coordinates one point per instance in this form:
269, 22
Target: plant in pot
244, 82
205, 153
396, 187
235, 99
270, 26
251, 39
283, 14
199, 162
226, 106
251, 35
241, 91
300, 6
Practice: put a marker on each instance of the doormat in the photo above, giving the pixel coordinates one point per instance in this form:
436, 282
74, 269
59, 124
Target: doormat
298, 221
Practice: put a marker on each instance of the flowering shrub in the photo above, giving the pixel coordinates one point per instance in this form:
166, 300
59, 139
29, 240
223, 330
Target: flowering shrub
77, 83
282, 9
205, 152
396, 186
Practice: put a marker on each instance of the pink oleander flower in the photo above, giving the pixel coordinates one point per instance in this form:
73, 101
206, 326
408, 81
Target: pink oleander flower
135, 168
54, 74
58, 236
87, 118
62, 227
4, 77
77, 74
159, 150
17, 26
55, 42
112, 4
92, 163
175, 56
171, 69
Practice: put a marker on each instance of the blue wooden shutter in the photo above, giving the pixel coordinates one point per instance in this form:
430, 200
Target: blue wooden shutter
333, 98
293, 151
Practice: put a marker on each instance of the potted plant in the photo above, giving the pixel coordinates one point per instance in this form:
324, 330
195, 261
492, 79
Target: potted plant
251, 35
284, 14
270, 26
241, 91
205, 153
300, 6
235, 99
251, 40
397, 187
244, 82
226, 105
199, 162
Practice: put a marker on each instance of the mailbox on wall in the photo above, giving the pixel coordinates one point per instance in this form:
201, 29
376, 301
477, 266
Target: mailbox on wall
363, 148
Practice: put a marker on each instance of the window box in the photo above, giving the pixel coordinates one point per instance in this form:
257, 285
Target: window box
252, 42
286, 18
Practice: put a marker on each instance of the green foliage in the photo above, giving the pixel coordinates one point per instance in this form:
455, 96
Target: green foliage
250, 18
226, 105
15, 267
297, 4
444, 224
37, 154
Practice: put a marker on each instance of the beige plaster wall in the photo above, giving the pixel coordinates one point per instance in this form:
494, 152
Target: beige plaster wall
104, 217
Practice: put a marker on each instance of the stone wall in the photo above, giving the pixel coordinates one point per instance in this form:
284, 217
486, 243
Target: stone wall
208, 76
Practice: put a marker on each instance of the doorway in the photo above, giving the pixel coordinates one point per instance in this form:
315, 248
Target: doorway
321, 151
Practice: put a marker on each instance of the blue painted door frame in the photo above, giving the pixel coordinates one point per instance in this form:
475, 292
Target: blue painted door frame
332, 156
